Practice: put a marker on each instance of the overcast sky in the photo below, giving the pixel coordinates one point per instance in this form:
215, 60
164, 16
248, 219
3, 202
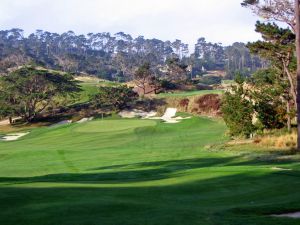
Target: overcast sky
216, 20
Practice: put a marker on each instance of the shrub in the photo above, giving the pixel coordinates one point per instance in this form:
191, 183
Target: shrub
282, 141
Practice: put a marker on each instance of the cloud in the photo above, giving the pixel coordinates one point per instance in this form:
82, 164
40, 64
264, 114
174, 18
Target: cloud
219, 21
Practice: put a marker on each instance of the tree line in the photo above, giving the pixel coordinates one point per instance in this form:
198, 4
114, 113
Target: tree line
116, 57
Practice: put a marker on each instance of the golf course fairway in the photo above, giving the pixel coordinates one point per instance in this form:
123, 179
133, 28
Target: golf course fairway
141, 172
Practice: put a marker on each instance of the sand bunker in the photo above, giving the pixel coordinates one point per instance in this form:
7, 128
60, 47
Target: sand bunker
13, 137
295, 215
83, 120
168, 117
279, 168
137, 113
61, 123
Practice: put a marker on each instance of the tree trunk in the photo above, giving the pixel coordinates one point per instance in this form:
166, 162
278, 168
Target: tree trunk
288, 110
297, 32
292, 89
10, 120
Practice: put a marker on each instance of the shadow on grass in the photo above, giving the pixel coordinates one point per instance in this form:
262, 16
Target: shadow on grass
158, 170
137, 172
224, 200
210, 198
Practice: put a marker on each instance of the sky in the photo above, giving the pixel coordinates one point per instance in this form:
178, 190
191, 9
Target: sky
219, 21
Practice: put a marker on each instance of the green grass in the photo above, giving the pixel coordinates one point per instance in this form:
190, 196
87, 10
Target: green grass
190, 93
91, 88
140, 172
87, 91
228, 82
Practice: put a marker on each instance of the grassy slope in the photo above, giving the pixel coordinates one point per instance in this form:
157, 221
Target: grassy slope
91, 88
139, 172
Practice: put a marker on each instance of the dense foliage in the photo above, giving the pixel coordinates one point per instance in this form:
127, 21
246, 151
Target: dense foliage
238, 111
271, 92
114, 98
29, 91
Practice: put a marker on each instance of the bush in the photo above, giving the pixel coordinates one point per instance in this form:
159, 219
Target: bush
168, 85
210, 80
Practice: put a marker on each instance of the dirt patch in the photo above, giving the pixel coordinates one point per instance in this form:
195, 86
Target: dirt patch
6, 122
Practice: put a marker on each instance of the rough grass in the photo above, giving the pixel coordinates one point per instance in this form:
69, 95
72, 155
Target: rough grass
134, 172
278, 141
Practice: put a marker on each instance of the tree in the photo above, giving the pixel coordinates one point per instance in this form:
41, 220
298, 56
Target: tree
270, 96
297, 32
176, 71
274, 10
29, 91
114, 98
286, 11
277, 47
257, 103
238, 111
144, 77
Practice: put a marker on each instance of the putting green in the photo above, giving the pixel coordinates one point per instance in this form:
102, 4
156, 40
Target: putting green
113, 125
140, 172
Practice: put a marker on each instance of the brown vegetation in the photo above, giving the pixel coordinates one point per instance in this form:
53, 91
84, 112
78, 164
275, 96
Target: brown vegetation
208, 105
282, 141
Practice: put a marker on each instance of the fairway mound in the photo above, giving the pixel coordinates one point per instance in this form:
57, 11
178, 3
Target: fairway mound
13, 137
295, 215
113, 126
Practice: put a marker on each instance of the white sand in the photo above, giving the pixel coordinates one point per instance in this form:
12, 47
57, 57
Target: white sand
83, 120
137, 113
169, 114
295, 215
168, 117
13, 137
61, 123
279, 168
